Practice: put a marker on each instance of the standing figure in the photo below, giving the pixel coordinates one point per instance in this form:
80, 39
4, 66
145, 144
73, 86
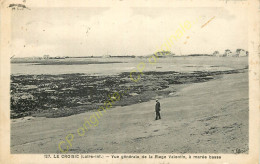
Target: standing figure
157, 110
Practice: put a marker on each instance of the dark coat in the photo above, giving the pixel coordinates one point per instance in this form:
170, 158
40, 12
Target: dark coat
157, 107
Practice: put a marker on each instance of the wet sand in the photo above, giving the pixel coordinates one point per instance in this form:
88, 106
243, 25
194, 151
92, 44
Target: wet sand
208, 117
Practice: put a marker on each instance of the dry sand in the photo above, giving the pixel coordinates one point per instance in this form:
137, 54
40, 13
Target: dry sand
209, 117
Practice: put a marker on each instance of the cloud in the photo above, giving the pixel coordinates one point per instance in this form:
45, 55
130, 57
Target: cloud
125, 31
21, 48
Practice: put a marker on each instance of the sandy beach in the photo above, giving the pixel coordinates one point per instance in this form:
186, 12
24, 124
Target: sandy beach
206, 117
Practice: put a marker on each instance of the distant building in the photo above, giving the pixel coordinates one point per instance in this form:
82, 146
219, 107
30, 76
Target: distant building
46, 56
125, 56
59, 57
106, 56
164, 54
216, 53
241, 53
228, 53
37, 58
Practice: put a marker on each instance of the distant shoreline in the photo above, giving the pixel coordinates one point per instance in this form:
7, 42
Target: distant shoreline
81, 61
60, 62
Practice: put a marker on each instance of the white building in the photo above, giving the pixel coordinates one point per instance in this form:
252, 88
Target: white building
241, 53
228, 53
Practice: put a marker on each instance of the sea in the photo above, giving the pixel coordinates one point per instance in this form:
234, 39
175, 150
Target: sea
178, 64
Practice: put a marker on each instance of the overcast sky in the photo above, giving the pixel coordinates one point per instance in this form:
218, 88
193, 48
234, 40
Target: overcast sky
125, 31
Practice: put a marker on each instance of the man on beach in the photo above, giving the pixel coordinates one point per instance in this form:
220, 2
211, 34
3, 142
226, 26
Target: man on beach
157, 110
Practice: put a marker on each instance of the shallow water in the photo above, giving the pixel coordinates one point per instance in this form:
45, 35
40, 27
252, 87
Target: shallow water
178, 64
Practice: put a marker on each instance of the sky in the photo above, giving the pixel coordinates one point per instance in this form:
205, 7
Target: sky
125, 31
